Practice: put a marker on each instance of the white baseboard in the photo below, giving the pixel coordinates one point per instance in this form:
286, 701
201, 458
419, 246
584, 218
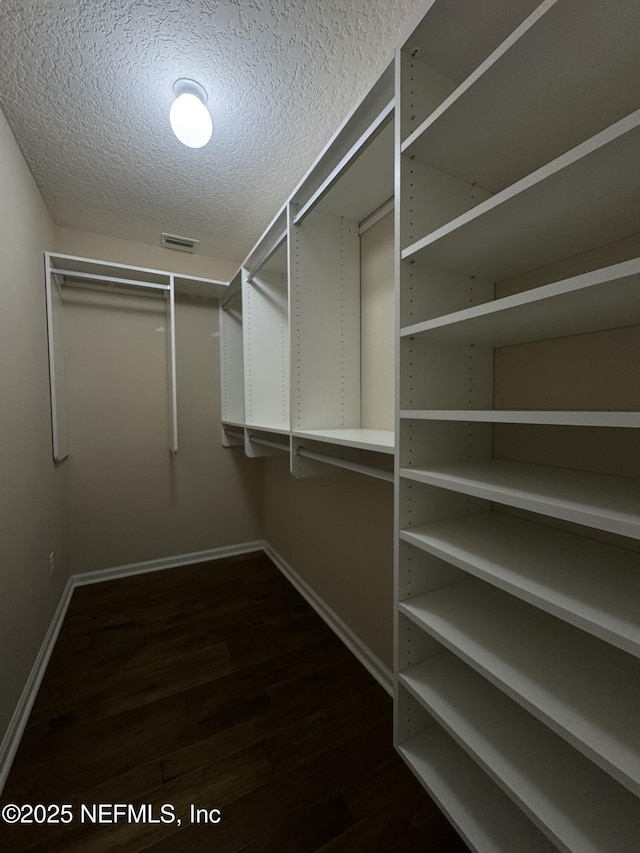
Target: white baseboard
14, 732
165, 563
373, 664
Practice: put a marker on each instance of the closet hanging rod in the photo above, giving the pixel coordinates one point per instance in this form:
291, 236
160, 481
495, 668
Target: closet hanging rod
266, 257
234, 433
369, 470
109, 279
114, 288
268, 443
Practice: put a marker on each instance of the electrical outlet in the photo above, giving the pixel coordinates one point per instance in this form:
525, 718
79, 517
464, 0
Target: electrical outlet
52, 563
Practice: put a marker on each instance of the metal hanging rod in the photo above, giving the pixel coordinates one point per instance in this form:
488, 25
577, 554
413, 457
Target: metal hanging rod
114, 288
376, 216
268, 443
80, 276
234, 433
369, 470
266, 257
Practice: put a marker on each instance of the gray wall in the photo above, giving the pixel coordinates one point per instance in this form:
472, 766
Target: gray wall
31, 490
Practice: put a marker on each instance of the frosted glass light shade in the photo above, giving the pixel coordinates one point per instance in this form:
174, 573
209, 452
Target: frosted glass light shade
190, 120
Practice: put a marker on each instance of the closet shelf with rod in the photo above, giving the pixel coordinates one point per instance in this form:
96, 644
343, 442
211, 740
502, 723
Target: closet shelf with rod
62, 271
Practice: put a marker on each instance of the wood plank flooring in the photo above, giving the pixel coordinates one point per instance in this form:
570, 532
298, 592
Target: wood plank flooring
214, 685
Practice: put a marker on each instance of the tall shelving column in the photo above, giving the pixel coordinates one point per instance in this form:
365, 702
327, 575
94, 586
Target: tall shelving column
336, 419
232, 365
517, 495
265, 304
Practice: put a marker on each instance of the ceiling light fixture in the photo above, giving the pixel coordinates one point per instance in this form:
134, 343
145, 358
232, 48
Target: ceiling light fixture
189, 117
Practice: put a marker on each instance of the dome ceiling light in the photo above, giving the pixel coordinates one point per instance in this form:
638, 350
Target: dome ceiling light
189, 116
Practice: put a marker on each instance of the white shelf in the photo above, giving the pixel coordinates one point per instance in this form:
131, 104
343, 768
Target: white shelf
483, 815
593, 586
604, 298
201, 288
582, 199
498, 416
377, 440
585, 690
238, 424
455, 51
359, 128
368, 182
600, 501
278, 429
578, 805
516, 88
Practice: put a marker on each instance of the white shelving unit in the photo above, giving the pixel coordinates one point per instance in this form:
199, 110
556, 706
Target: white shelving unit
518, 496
66, 271
329, 213
554, 570
316, 329
232, 365
467, 795
265, 315
563, 793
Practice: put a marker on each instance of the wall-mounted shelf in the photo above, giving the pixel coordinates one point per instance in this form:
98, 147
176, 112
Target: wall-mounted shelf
497, 416
605, 298
552, 569
588, 189
506, 96
483, 815
369, 118
71, 271
597, 500
377, 440
570, 799
538, 661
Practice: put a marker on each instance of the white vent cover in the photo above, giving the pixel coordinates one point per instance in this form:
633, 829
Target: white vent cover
181, 244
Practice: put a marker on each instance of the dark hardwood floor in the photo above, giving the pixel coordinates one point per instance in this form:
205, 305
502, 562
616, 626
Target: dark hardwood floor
214, 685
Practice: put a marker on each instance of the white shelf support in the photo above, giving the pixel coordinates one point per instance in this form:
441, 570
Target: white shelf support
57, 373
171, 351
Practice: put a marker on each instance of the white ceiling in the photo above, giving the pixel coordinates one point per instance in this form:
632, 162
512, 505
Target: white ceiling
87, 84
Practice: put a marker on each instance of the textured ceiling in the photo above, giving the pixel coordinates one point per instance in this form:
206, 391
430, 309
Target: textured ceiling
87, 84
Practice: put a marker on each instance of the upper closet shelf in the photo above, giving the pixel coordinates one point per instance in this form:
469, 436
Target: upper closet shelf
597, 500
360, 131
202, 288
264, 253
585, 690
605, 298
365, 183
551, 70
378, 440
582, 199
71, 269
277, 429
557, 571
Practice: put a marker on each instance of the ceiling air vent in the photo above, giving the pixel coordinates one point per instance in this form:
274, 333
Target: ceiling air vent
182, 244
